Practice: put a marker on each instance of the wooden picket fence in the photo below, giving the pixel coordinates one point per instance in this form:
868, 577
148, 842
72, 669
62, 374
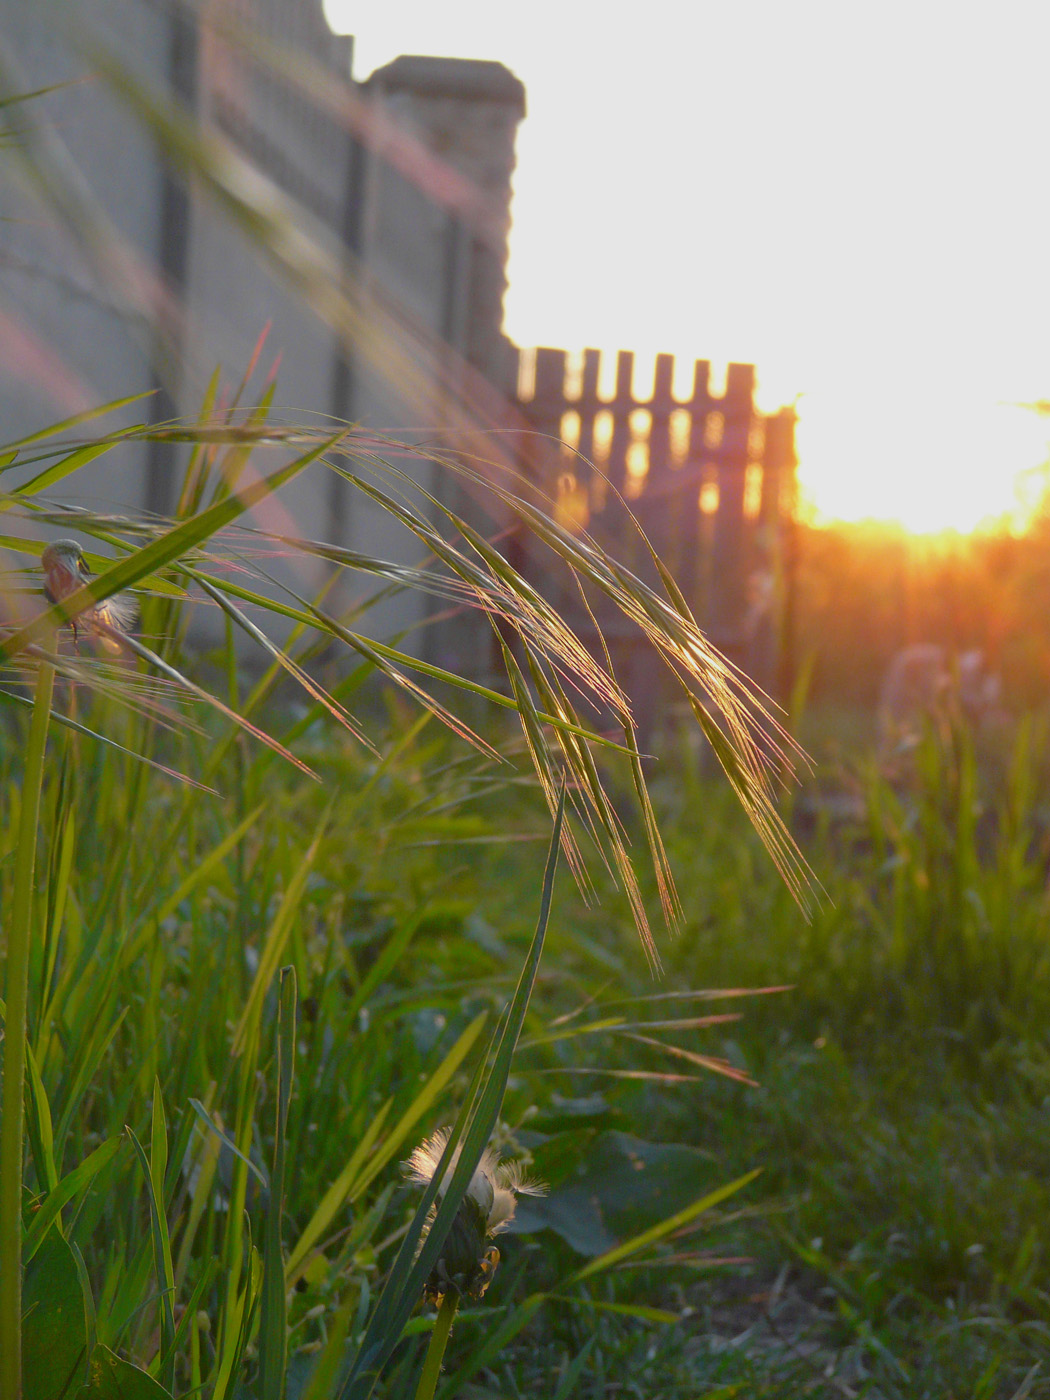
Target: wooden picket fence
709, 479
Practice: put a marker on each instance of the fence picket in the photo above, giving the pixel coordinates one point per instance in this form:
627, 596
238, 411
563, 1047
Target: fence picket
727, 556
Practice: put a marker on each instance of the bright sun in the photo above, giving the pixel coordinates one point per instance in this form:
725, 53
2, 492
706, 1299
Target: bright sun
953, 465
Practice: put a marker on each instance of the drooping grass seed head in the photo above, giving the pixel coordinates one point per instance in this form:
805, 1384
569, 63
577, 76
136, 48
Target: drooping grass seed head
467, 1261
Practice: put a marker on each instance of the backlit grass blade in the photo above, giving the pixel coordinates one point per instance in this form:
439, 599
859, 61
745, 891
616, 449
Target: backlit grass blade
377, 649
76, 421
757, 802
302, 677
129, 643
64, 722
178, 540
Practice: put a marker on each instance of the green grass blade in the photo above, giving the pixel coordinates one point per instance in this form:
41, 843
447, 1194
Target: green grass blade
273, 1341
659, 1232
128, 643
333, 1199
159, 1231
493, 1344
38, 1125
56, 472
64, 722
54, 429
239, 1330
274, 944
71, 1185
227, 1141
179, 540
202, 870
406, 1282
420, 1105
16, 994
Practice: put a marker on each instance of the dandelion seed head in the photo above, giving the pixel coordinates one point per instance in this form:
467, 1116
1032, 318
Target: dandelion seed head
66, 570
493, 1187
467, 1263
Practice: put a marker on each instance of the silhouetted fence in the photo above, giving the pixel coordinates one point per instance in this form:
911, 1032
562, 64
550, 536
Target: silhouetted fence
710, 480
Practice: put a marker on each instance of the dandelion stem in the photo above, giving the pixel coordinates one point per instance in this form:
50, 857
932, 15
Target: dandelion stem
436, 1351
12, 1125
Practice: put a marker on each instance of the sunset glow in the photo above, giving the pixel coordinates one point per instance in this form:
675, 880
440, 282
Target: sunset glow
850, 199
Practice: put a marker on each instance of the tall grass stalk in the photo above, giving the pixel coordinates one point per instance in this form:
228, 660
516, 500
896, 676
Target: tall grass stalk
436, 1350
12, 1120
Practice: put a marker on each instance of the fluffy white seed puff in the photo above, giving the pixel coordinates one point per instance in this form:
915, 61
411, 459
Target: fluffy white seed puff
66, 570
493, 1187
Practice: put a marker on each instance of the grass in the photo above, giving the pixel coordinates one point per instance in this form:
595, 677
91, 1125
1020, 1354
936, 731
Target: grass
250, 994
237, 996
897, 1234
896, 1237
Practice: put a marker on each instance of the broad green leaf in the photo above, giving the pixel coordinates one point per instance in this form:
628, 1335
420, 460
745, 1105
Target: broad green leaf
54, 1324
661, 1231
111, 1378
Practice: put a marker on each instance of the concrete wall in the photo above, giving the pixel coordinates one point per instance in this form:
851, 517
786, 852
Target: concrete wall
69, 341
425, 236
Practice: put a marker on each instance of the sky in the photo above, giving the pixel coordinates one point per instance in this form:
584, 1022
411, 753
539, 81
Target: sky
852, 197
